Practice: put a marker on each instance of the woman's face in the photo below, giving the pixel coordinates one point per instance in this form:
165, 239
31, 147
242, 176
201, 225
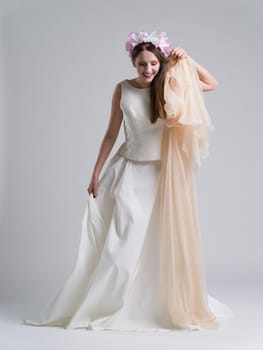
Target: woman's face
147, 66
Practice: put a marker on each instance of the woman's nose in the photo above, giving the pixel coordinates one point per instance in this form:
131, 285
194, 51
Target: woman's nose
148, 68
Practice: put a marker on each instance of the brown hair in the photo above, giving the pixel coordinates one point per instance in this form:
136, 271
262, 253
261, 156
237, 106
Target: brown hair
157, 85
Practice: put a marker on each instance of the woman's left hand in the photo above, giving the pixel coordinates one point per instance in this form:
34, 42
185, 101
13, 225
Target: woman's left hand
179, 52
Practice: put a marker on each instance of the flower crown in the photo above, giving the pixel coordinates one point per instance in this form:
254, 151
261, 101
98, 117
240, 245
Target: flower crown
160, 41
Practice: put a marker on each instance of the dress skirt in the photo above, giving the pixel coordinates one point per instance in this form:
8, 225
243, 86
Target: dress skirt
115, 283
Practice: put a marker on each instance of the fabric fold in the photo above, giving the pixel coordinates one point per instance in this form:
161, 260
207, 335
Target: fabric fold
185, 141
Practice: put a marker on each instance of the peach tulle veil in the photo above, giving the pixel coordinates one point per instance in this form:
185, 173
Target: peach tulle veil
185, 141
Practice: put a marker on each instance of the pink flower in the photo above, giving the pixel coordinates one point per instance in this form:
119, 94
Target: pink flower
160, 41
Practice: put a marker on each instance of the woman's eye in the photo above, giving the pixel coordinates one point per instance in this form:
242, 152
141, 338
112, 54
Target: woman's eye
144, 64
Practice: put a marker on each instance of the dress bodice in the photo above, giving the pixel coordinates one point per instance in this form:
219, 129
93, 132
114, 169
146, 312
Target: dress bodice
142, 138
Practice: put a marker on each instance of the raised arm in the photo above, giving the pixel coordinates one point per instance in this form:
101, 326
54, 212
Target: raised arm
207, 80
108, 139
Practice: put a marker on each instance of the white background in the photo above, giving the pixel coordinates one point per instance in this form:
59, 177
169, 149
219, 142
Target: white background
59, 63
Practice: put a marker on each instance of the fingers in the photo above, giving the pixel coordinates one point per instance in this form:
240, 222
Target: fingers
95, 193
89, 189
93, 185
92, 190
179, 52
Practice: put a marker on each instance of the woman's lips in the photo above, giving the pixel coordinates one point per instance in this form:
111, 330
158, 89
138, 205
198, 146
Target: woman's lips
148, 75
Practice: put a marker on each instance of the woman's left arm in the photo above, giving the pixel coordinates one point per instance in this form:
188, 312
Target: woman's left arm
207, 81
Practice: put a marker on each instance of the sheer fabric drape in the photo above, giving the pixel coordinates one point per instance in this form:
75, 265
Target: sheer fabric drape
185, 141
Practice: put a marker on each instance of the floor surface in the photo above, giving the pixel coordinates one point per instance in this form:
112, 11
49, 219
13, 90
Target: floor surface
244, 332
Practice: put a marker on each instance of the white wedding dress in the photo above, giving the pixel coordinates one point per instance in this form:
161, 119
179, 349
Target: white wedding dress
115, 283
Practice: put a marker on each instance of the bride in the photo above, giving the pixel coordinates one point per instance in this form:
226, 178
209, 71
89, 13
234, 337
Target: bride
140, 263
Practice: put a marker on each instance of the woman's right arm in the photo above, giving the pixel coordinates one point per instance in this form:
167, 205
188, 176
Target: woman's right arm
108, 139
206, 79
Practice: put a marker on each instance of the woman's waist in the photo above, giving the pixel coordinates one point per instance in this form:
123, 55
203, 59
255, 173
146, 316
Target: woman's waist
138, 149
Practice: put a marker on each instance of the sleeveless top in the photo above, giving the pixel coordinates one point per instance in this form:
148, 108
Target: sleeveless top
142, 138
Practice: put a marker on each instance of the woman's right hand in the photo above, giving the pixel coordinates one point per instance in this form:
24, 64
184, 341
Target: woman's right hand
93, 185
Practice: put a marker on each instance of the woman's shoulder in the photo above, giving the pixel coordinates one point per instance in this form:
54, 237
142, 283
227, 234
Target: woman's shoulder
125, 85
117, 91
119, 84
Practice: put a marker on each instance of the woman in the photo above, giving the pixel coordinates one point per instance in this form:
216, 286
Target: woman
124, 275
149, 62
